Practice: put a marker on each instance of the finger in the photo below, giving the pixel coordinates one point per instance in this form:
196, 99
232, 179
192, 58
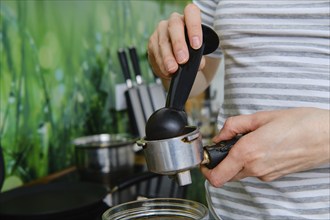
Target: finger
165, 49
192, 18
239, 176
234, 126
155, 58
177, 37
223, 172
155, 68
243, 124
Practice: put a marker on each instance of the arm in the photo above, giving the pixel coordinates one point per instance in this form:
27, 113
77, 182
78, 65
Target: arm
276, 143
205, 76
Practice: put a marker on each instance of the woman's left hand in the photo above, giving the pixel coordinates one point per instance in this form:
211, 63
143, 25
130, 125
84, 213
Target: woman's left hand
275, 143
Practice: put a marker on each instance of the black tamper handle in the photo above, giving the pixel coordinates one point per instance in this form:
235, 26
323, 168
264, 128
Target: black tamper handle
183, 80
217, 152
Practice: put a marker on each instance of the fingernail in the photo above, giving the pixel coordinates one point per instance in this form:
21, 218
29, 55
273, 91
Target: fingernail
181, 56
196, 43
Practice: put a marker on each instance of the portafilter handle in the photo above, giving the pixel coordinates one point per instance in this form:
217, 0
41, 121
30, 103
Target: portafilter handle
214, 154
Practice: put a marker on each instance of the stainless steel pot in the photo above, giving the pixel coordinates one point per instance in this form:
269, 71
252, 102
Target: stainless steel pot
104, 158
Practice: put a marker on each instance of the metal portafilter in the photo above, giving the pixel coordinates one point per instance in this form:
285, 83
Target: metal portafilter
178, 155
171, 147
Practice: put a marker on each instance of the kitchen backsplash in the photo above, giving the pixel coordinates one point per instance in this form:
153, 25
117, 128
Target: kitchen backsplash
59, 68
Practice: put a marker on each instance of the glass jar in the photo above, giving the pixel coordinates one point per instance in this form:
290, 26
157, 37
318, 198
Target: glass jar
158, 209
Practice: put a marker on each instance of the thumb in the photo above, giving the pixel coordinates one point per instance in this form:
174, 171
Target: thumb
234, 126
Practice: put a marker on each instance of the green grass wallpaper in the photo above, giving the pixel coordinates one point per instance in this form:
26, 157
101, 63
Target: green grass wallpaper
59, 67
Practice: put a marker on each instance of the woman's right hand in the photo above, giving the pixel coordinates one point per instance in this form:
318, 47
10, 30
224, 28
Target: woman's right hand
167, 47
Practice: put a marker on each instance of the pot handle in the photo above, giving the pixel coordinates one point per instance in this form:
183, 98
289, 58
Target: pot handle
2, 168
130, 181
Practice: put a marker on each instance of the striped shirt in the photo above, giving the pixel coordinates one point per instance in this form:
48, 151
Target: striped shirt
277, 56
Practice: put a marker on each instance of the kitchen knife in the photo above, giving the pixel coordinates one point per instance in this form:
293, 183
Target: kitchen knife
133, 101
141, 87
156, 90
157, 93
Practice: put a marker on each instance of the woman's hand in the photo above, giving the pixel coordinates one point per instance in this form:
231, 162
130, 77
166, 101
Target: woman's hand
167, 46
275, 143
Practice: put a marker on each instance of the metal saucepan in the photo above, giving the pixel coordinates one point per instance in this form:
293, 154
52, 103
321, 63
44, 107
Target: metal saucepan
104, 158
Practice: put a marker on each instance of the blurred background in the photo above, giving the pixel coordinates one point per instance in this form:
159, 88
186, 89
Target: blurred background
59, 70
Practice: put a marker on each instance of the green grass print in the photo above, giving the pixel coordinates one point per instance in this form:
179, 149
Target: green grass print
58, 71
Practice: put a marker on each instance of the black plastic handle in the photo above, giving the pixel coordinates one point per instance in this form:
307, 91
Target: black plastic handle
218, 152
135, 61
124, 64
183, 79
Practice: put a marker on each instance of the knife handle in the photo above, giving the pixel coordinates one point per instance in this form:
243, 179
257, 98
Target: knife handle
135, 61
124, 66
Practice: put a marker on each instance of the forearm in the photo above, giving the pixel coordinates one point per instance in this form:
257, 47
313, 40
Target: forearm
200, 84
322, 133
203, 79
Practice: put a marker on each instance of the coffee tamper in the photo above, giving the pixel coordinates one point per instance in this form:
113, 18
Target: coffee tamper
171, 146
